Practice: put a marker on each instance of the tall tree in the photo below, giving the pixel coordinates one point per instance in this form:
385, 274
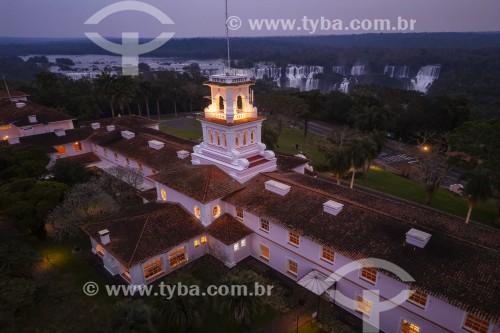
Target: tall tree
478, 188
124, 88
105, 89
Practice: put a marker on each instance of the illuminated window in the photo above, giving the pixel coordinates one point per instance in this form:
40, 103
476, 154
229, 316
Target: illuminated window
264, 252
203, 239
327, 254
407, 327
236, 247
363, 306
418, 298
243, 243
292, 267
77, 146
5, 127
245, 138
116, 157
139, 167
293, 238
239, 213
216, 211
239, 103
369, 274
100, 250
197, 211
196, 243
61, 150
221, 103
252, 136
163, 194
476, 324
178, 257
264, 225
153, 268
127, 161
5, 137
224, 141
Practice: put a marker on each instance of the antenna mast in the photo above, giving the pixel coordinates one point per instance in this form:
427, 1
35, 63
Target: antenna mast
227, 39
6, 87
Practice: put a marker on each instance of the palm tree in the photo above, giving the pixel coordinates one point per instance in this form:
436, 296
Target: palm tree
124, 91
104, 86
241, 308
357, 155
182, 312
158, 93
132, 316
145, 92
477, 189
370, 152
338, 158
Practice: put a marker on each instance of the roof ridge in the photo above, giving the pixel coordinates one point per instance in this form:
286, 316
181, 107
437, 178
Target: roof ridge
375, 210
207, 183
138, 241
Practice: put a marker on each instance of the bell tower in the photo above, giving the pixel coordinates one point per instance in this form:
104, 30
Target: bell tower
232, 130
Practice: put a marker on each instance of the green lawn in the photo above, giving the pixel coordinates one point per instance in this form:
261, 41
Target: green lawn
194, 135
308, 145
411, 190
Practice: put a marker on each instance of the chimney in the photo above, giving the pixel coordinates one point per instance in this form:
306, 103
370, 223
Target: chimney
32, 119
128, 135
60, 132
155, 144
13, 140
418, 238
277, 187
332, 207
110, 128
104, 235
95, 125
182, 154
20, 105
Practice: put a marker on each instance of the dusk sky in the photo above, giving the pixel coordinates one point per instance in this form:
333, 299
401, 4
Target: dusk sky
65, 18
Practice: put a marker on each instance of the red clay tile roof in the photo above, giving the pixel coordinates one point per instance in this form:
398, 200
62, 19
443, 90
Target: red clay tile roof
228, 229
11, 114
87, 158
288, 162
13, 94
204, 183
129, 121
459, 264
48, 141
138, 148
145, 231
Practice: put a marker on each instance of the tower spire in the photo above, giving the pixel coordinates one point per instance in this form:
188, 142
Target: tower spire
227, 41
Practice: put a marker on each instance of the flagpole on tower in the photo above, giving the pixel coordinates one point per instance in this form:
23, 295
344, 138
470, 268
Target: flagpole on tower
227, 41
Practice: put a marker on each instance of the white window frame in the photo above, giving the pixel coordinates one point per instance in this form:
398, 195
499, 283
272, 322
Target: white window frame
287, 267
288, 238
268, 225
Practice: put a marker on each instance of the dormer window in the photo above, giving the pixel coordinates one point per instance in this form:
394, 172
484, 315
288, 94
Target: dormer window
221, 104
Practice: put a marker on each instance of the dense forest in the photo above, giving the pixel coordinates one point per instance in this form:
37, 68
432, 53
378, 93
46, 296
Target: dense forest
470, 62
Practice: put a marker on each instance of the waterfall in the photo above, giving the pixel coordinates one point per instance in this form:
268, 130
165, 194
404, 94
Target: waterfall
339, 70
425, 77
358, 70
397, 71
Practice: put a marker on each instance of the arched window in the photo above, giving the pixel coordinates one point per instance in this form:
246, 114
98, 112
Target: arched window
216, 211
245, 138
252, 136
237, 141
100, 250
221, 103
217, 137
197, 211
163, 195
210, 137
239, 103
224, 142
